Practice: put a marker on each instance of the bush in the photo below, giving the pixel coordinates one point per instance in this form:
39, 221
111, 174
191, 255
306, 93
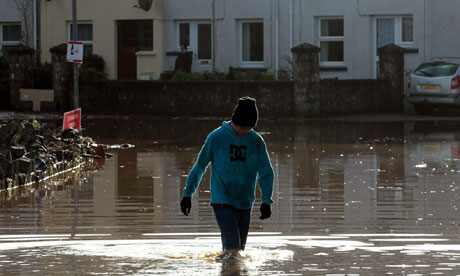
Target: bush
215, 75
93, 68
90, 73
94, 61
232, 74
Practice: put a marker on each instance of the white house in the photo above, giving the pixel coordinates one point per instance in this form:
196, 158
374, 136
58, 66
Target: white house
17, 24
259, 34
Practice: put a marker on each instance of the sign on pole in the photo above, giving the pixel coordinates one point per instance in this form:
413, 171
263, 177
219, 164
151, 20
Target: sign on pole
75, 51
72, 119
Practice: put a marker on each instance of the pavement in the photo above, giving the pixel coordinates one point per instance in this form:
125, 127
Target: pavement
381, 117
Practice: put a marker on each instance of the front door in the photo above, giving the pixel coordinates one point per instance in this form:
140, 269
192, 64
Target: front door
385, 34
133, 36
198, 37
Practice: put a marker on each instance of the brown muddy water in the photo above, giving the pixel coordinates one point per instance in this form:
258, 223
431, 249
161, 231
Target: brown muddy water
350, 198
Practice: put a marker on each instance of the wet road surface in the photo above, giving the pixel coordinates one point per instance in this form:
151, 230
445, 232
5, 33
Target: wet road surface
350, 198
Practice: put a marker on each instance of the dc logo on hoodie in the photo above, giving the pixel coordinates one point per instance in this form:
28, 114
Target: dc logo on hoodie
237, 153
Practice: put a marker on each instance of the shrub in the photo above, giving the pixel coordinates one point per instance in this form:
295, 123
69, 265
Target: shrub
90, 73
232, 74
93, 61
215, 75
93, 68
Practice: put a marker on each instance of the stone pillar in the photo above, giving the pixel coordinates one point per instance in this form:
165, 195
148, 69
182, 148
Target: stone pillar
62, 78
391, 69
22, 65
305, 68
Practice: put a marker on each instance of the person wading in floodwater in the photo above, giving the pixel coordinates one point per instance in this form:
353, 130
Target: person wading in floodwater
237, 155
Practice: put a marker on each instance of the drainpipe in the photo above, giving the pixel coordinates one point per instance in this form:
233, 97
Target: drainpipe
290, 27
277, 38
35, 24
213, 48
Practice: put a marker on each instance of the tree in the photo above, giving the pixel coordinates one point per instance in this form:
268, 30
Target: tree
25, 8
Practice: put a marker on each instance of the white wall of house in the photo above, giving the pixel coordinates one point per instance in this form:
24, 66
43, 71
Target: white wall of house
9, 12
443, 21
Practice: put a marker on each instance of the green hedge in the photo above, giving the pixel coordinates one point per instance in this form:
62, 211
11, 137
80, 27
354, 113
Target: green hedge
93, 68
232, 74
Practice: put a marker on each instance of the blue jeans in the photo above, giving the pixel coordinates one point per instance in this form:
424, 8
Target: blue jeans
233, 224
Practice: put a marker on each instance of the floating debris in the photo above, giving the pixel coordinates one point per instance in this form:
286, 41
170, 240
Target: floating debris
30, 151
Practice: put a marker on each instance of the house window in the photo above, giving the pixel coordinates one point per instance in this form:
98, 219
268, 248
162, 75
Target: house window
407, 29
331, 41
146, 35
84, 34
10, 36
252, 43
396, 29
204, 41
184, 34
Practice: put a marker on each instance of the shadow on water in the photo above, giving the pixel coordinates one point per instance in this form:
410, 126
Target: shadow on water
346, 195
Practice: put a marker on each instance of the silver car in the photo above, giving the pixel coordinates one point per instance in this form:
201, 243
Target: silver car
433, 84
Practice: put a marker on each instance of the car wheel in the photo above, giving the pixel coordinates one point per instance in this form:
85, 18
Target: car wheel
423, 109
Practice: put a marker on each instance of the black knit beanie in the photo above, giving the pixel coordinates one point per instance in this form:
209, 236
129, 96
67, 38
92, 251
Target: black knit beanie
245, 113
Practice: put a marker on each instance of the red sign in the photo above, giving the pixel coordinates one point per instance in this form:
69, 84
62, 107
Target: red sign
72, 119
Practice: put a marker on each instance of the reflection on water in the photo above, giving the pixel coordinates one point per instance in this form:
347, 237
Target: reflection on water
349, 198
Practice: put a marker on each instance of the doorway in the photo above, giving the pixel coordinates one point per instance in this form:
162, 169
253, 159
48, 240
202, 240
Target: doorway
198, 37
392, 30
133, 36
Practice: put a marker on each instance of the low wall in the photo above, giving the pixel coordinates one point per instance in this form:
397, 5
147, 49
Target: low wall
340, 97
218, 98
197, 98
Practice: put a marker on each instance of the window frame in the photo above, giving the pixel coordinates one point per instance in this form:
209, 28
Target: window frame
8, 42
193, 44
398, 29
85, 42
250, 64
331, 39
399, 26
178, 42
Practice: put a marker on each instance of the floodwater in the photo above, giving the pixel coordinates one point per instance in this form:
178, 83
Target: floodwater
350, 198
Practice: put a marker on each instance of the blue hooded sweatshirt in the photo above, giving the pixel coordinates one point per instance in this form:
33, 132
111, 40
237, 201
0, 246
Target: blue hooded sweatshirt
236, 161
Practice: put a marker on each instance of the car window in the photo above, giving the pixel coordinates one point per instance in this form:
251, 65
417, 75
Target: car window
433, 69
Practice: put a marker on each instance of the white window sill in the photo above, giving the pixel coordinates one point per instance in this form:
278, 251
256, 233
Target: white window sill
146, 53
255, 65
332, 64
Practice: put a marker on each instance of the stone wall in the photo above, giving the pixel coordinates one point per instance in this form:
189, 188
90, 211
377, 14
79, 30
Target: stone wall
217, 98
195, 98
340, 97
305, 96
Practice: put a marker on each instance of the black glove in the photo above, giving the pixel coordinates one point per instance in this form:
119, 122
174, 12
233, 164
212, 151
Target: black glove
265, 211
186, 205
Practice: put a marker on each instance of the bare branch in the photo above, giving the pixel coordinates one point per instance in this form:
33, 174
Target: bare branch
25, 10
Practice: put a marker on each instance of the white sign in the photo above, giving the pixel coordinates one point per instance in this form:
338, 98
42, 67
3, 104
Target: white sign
74, 51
